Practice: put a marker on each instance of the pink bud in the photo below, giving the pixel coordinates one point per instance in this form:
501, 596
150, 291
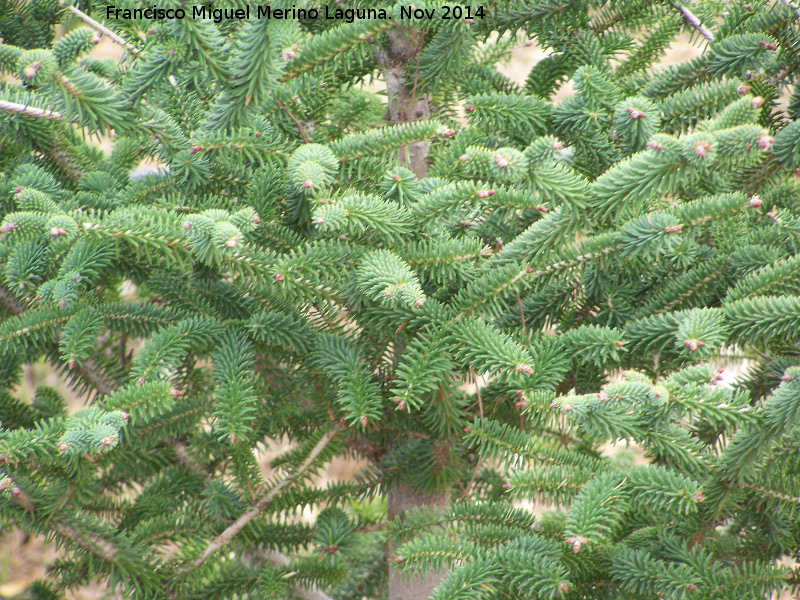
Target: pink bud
743, 88
567, 408
755, 201
467, 430
18, 189
756, 102
287, 55
619, 343
22, 285
501, 162
554, 405
258, 134
419, 302
62, 446
124, 416
388, 293
523, 368
255, 219
151, 31
231, 242
363, 420
307, 184
528, 269
6, 227
698, 496
72, 363
140, 381
541, 208
278, 277
232, 438
557, 145
469, 21
62, 303
635, 113
448, 133
507, 485
107, 441
654, 145
602, 396
469, 108
702, 148
319, 221
195, 149
171, 53
765, 141
463, 158
563, 587
485, 193
186, 225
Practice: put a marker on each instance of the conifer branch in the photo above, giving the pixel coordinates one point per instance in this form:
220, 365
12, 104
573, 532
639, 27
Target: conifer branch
116, 38
30, 111
227, 535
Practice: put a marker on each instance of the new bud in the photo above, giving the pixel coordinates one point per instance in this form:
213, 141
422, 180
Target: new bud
469, 108
448, 133
500, 161
7, 227
463, 158
654, 145
278, 277
319, 221
743, 88
541, 208
195, 149
231, 242
363, 420
308, 184
186, 225
757, 102
755, 201
72, 363
419, 302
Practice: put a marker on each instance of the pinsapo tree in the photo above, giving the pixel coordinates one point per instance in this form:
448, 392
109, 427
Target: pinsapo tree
364, 239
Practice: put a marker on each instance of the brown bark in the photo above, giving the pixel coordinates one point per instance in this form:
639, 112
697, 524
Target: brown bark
401, 499
400, 65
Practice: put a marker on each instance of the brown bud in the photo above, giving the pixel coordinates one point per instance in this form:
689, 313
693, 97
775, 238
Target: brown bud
363, 420
448, 133
195, 149
507, 485
541, 208
743, 88
72, 363
485, 193
278, 277
469, 108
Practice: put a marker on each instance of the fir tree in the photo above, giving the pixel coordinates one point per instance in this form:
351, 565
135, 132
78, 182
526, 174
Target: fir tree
471, 286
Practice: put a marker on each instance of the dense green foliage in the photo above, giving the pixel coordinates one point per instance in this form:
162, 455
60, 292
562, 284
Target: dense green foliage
589, 263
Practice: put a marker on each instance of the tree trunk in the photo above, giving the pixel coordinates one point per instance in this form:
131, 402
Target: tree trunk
402, 499
399, 63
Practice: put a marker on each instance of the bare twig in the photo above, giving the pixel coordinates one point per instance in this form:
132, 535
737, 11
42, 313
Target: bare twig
692, 20
30, 111
104, 30
227, 535
289, 114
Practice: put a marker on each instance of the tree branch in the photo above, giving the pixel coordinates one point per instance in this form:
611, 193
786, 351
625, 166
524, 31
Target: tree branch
227, 535
104, 30
30, 111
